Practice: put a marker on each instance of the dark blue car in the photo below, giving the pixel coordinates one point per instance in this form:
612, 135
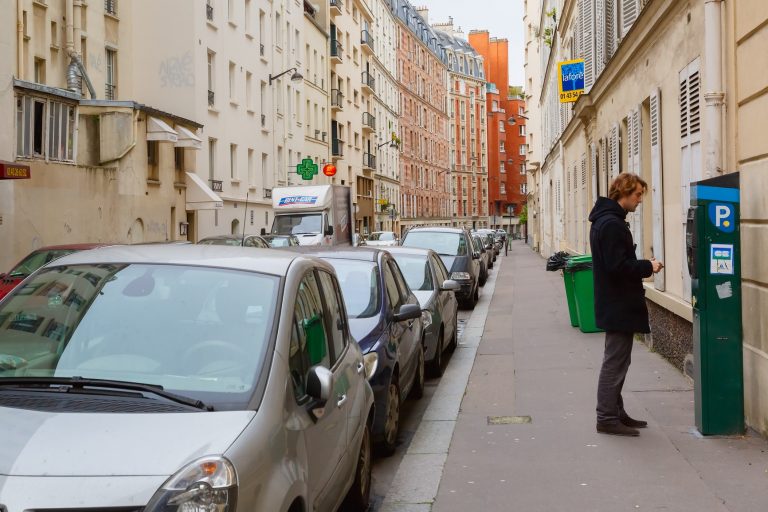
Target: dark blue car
386, 320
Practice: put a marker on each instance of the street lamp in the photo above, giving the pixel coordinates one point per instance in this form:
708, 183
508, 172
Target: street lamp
392, 143
295, 77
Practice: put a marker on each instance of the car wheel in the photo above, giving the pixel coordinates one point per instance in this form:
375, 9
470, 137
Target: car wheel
475, 298
417, 390
392, 421
436, 364
483, 276
359, 495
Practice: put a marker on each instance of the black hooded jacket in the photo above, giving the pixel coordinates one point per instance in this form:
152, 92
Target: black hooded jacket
619, 294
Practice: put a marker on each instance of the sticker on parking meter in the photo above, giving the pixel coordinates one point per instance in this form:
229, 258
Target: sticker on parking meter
721, 259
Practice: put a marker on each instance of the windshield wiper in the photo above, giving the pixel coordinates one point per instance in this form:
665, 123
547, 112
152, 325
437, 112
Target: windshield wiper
80, 383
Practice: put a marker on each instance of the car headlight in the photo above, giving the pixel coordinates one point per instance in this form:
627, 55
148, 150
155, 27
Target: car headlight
460, 276
426, 319
371, 362
208, 484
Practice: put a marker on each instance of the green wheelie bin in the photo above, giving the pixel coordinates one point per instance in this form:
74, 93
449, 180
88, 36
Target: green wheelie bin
569, 295
579, 269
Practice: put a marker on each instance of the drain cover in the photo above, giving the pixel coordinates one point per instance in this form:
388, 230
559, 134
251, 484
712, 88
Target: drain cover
508, 420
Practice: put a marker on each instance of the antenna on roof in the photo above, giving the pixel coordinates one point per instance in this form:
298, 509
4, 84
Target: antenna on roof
245, 215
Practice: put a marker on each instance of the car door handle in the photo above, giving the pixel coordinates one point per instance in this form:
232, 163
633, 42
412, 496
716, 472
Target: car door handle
360, 367
342, 400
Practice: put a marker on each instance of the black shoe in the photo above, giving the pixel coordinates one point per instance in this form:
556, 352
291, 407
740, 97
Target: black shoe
631, 422
616, 429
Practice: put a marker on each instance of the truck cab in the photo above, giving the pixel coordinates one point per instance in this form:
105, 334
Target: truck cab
315, 215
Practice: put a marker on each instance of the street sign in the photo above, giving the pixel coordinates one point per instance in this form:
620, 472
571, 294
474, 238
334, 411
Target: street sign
13, 171
570, 80
307, 169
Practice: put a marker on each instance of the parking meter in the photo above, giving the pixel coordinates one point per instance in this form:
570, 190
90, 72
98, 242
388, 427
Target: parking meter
713, 252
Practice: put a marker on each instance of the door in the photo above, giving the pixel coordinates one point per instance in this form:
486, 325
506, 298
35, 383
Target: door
326, 438
396, 329
449, 306
410, 342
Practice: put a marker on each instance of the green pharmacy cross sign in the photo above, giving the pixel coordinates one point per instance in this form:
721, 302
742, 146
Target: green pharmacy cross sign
306, 169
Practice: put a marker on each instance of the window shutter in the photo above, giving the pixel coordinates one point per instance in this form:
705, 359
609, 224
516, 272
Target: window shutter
657, 185
614, 149
611, 13
583, 212
599, 37
593, 161
604, 167
630, 142
587, 17
690, 147
629, 11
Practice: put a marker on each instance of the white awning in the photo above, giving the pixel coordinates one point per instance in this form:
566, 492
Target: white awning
160, 131
200, 196
187, 139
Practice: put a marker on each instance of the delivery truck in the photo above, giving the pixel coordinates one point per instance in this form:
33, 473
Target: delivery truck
315, 214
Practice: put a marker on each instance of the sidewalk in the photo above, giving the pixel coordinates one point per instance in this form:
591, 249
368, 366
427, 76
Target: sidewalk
531, 362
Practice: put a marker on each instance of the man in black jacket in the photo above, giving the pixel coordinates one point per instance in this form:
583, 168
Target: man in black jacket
619, 297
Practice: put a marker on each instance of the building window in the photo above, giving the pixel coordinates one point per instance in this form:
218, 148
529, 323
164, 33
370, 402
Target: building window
248, 91
39, 70
503, 188
232, 81
211, 159
110, 82
211, 78
523, 188
522, 169
233, 161
110, 7
153, 159
523, 149
178, 164
34, 139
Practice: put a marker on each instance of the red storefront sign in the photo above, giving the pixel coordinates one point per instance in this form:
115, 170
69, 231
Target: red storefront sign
13, 171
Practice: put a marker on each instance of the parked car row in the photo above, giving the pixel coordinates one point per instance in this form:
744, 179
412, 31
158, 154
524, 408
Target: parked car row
290, 367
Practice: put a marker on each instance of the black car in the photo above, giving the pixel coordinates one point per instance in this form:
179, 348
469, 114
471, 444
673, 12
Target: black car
385, 318
486, 256
455, 248
428, 278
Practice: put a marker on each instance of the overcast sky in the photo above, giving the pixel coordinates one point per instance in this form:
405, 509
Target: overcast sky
502, 18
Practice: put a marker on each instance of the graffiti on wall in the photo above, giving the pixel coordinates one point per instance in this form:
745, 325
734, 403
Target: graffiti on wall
177, 71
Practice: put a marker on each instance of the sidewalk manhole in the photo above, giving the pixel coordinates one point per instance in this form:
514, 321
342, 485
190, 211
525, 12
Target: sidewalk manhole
509, 420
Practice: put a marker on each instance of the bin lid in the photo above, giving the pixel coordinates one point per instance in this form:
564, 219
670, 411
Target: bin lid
577, 263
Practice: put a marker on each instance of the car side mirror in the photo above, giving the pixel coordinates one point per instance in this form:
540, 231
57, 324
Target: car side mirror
408, 312
319, 384
329, 231
449, 285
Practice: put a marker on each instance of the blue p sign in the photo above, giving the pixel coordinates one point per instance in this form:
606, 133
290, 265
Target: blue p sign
722, 216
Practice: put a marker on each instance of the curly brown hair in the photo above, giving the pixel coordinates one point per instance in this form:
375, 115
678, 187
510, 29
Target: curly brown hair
625, 184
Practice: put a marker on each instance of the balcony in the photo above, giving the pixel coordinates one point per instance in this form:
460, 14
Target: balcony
369, 122
336, 7
211, 98
261, 49
337, 149
209, 12
369, 162
216, 185
336, 51
263, 120
366, 42
369, 83
337, 100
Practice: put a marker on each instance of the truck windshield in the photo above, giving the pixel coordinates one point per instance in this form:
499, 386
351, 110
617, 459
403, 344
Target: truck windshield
297, 224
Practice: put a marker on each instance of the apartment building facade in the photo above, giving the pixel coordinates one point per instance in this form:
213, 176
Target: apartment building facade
532, 67
467, 129
422, 79
382, 123
672, 94
515, 167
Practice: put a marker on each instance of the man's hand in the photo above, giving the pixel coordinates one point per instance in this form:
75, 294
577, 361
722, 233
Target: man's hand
657, 265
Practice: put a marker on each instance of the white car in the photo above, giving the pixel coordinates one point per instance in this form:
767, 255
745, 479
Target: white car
182, 378
382, 239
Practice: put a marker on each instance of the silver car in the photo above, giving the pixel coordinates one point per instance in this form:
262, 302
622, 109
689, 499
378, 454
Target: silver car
181, 378
382, 239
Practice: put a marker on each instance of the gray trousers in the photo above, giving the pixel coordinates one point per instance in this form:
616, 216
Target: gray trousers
616, 359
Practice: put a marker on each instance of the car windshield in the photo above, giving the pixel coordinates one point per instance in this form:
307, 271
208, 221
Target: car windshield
280, 241
36, 260
416, 271
360, 286
443, 243
202, 332
383, 236
235, 242
298, 224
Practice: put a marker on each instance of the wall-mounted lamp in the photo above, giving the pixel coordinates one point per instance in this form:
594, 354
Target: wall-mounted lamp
295, 77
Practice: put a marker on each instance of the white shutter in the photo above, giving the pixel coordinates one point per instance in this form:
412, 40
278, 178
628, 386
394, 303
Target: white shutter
657, 187
599, 31
611, 16
593, 161
630, 142
605, 167
690, 148
614, 150
637, 135
583, 211
587, 17
629, 11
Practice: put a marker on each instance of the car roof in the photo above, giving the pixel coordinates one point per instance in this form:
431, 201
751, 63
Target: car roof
410, 250
79, 247
339, 252
439, 229
267, 261
226, 237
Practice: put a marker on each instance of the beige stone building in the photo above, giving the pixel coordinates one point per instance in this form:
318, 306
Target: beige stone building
675, 93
